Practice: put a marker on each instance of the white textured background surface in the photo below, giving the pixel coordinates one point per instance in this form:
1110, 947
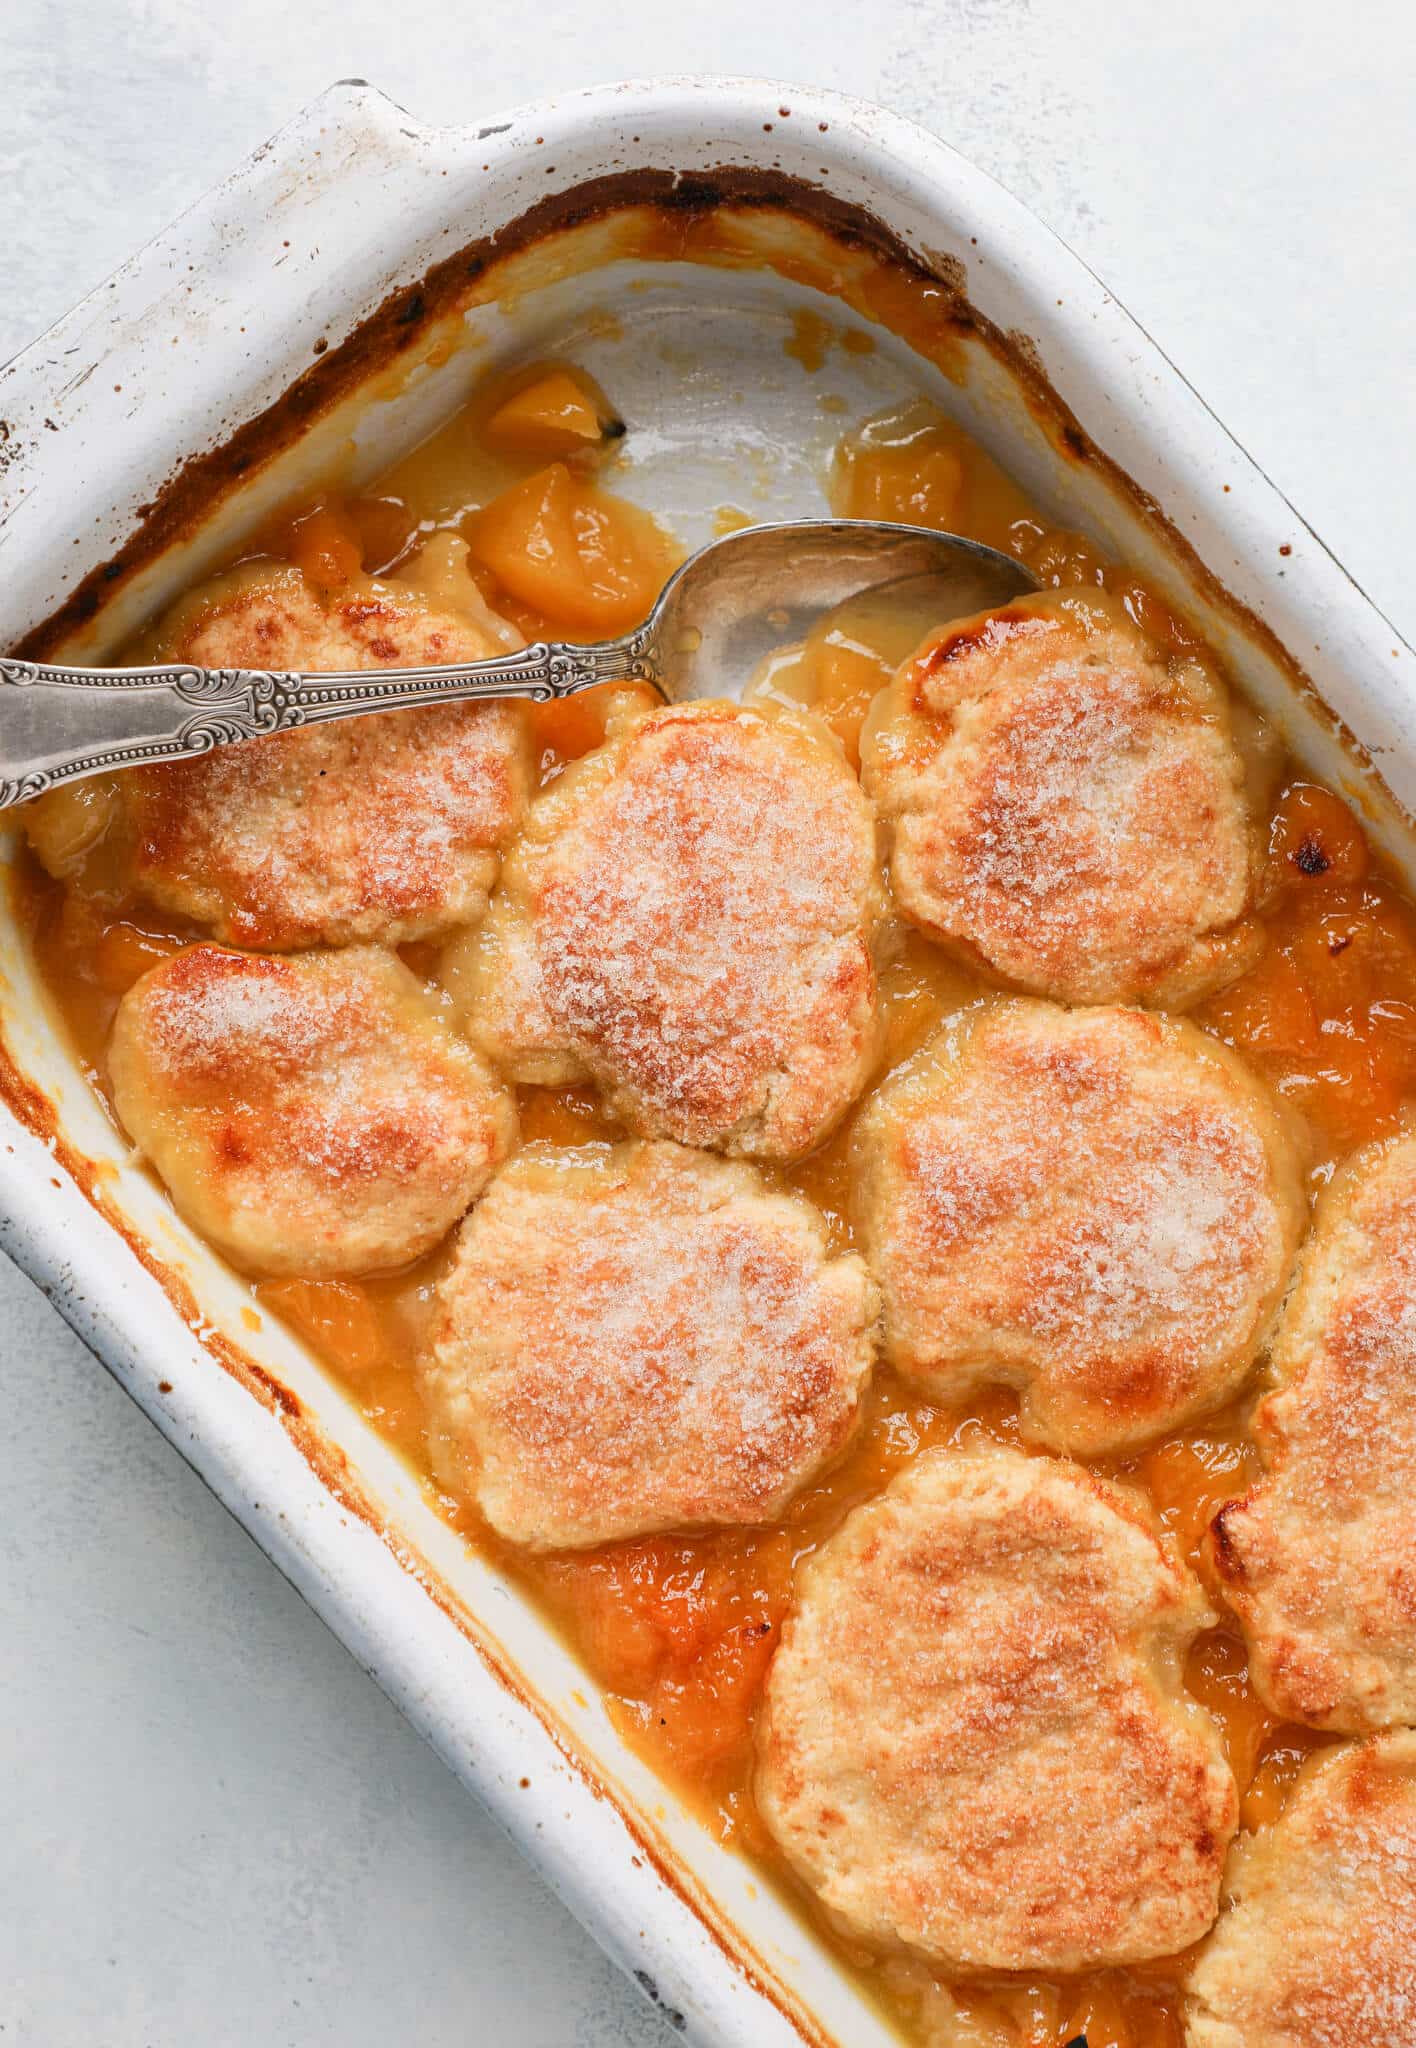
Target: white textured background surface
213, 1829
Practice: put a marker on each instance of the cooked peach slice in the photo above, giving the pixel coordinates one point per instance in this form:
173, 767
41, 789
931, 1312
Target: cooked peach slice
557, 415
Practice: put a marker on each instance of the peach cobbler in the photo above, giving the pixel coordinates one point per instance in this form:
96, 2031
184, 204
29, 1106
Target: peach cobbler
887, 1204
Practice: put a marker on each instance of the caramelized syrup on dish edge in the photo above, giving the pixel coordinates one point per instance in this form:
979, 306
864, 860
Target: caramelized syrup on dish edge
679, 1629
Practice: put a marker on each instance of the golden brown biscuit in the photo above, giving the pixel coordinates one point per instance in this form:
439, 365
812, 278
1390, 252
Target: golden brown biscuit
312, 1115
975, 1742
1318, 1559
641, 1337
688, 919
385, 827
1097, 1206
1067, 805
1317, 1946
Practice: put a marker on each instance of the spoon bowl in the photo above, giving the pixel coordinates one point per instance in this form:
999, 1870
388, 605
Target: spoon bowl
741, 599
717, 620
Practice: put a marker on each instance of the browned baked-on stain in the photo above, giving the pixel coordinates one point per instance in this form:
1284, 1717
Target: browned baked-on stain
669, 2013
330, 1466
1027, 351
949, 270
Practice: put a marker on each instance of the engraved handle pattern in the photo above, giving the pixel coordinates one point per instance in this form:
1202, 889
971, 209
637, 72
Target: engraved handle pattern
56, 732
225, 704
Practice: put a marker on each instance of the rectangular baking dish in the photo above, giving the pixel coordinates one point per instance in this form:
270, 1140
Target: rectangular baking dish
312, 310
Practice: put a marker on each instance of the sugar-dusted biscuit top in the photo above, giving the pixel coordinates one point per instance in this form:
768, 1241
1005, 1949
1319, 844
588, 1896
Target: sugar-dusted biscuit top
1066, 805
688, 919
310, 1114
1317, 1945
385, 828
975, 1743
1318, 1559
641, 1337
1100, 1207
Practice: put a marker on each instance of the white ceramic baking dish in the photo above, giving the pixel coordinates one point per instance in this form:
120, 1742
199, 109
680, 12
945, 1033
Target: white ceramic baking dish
344, 213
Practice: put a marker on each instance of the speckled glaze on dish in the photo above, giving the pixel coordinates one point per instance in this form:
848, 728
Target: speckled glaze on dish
317, 299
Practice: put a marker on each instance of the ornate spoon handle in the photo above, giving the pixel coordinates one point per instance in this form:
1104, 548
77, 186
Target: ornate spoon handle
59, 724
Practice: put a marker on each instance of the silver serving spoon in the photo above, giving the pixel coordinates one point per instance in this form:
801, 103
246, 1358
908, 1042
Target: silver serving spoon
718, 618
